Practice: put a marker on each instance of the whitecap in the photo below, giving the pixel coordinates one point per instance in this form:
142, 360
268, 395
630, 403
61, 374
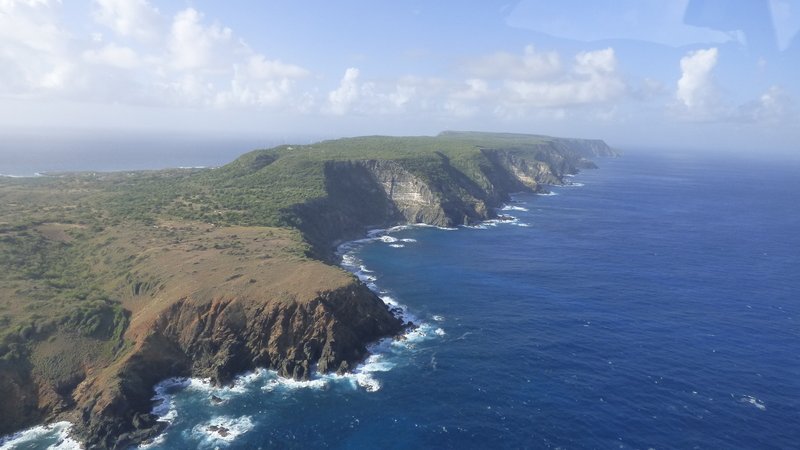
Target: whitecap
399, 228
439, 332
163, 405
387, 239
514, 208
408, 240
753, 401
412, 337
425, 225
574, 184
438, 318
291, 384
58, 433
158, 440
546, 194
396, 245
375, 232
222, 430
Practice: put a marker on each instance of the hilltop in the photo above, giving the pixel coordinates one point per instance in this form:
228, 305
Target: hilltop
111, 282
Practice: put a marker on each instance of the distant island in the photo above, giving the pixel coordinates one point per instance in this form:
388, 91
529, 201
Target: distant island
112, 282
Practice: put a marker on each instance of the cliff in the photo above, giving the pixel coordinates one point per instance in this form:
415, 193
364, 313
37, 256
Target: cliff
203, 301
117, 281
221, 338
437, 187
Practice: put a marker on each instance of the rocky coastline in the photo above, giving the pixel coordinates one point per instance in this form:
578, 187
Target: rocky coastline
228, 328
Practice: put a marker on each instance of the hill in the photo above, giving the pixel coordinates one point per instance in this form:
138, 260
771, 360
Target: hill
110, 282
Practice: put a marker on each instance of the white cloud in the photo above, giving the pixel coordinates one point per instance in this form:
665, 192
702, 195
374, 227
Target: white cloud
773, 106
129, 18
593, 79
34, 48
262, 82
463, 100
698, 96
370, 97
516, 85
696, 89
342, 98
530, 66
193, 45
259, 67
113, 55
149, 60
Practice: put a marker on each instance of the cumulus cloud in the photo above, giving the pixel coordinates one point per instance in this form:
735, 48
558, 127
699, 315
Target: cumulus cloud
259, 67
342, 98
355, 96
148, 58
698, 96
113, 55
129, 18
193, 45
517, 85
773, 106
34, 47
593, 79
530, 65
696, 90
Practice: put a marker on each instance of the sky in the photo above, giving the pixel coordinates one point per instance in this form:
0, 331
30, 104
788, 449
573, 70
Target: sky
686, 73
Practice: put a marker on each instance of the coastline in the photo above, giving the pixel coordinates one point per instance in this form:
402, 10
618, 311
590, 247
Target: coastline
361, 376
410, 197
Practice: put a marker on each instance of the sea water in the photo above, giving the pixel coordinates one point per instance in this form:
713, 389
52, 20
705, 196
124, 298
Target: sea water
653, 303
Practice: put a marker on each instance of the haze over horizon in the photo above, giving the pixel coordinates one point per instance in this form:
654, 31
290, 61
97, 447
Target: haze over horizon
692, 74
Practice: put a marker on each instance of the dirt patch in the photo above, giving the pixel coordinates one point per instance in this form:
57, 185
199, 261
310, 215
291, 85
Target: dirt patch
58, 232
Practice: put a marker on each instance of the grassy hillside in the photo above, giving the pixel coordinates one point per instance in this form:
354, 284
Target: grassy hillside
58, 262
56, 233
260, 187
89, 261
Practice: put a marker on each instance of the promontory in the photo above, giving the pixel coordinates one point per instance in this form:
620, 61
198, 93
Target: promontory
111, 282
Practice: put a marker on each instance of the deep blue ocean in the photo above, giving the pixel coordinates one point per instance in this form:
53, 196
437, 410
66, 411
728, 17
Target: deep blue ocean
655, 303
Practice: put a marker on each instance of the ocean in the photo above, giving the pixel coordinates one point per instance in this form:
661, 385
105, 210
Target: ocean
653, 303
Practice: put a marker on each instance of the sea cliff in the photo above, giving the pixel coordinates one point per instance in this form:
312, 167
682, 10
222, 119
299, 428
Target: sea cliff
209, 273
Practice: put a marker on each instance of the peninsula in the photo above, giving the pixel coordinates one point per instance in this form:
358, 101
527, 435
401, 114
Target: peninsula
111, 282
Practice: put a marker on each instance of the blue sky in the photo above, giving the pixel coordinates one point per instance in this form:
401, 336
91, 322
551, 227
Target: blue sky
689, 73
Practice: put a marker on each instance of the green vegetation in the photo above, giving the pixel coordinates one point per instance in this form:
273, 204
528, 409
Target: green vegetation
69, 243
260, 187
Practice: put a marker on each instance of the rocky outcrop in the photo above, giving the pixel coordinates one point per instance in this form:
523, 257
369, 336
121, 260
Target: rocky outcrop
221, 338
19, 407
379, 193
219, 324
412, 200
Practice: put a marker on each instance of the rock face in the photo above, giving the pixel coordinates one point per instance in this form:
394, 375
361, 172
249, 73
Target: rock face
411, 199
306, 318
379, 193
221, 338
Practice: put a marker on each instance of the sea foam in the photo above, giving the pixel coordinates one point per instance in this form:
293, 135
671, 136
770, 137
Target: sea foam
753, 401
221, 430
56, 435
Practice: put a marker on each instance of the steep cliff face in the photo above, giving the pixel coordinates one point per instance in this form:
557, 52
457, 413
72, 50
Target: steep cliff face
223, 337
411, 199
19, 407
213, 301
586, 148
432, 190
